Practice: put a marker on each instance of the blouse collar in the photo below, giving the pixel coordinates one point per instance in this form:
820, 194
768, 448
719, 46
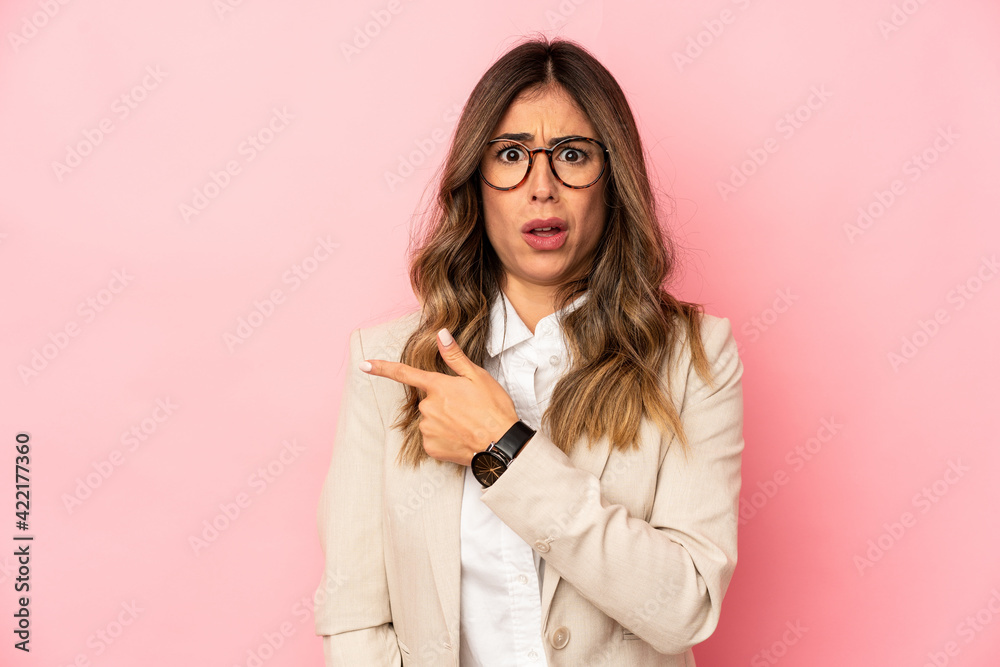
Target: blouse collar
517, 330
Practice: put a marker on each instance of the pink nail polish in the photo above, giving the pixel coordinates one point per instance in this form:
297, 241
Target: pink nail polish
445, 337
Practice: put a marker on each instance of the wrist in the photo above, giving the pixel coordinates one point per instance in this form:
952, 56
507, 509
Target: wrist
487, 466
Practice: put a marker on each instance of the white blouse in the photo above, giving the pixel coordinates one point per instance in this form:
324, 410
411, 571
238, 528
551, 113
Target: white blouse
501, 609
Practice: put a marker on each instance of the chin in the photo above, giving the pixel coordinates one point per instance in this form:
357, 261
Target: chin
549, 279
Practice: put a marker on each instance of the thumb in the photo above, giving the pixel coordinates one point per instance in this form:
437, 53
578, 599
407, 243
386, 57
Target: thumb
453, 354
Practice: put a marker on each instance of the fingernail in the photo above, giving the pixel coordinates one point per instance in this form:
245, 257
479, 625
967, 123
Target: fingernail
445, 337
365, 366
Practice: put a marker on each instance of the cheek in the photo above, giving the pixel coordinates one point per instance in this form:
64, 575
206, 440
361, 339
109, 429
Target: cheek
488, 207
495, 218
596, 217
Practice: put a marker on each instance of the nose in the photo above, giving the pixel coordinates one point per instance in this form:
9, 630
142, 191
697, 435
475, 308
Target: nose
542, 183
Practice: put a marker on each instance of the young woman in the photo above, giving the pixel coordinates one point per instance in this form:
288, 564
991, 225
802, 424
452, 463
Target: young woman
542, 464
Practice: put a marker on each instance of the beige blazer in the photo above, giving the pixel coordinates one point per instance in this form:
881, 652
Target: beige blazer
639, 547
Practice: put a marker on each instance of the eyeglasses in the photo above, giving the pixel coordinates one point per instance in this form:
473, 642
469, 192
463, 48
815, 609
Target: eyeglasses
576, 162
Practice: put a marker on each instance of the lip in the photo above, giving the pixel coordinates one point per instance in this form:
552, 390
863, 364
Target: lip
553, 242
543, 222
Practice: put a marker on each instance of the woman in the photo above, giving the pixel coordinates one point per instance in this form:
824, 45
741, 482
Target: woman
542, 464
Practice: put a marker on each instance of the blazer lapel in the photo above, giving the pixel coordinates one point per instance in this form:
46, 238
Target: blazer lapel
442, 516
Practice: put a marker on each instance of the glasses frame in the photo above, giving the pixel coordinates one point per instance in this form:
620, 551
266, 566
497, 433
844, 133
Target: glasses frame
548, 152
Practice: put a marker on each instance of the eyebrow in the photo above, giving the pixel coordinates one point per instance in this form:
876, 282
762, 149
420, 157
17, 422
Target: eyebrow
527, 136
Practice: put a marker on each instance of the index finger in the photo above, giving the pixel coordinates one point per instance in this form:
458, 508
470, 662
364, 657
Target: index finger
399, 372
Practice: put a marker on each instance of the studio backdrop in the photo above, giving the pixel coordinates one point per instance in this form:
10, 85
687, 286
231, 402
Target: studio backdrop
201, 199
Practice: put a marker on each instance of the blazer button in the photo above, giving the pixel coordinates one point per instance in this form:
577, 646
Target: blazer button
560, 637
542, 547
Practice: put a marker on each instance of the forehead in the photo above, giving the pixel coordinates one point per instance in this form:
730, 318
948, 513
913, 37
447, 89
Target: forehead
544, 113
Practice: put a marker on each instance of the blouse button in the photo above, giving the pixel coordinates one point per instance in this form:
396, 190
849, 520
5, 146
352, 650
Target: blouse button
522, 578
554, 360
560, 637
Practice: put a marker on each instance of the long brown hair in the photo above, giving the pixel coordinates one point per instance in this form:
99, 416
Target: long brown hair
624, 331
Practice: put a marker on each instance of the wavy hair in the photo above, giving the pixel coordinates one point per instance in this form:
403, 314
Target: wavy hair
627, 327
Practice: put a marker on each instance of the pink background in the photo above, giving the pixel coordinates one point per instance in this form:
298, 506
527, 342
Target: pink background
869, 479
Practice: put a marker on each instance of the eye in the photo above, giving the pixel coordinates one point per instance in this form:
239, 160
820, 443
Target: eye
573, 154
510, 153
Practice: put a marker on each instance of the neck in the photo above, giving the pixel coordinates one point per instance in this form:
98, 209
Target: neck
531, 302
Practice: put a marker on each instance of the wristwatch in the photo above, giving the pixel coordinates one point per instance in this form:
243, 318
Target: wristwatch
488, 465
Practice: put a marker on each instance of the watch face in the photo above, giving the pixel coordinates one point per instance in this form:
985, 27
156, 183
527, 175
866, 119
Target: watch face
487, 466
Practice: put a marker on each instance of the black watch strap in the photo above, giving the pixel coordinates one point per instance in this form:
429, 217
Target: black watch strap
514, 439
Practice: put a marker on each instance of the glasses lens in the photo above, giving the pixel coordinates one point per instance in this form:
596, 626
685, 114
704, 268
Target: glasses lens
578, 162
504, 163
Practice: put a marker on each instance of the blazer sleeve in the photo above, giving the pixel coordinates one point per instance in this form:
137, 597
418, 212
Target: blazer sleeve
664, 579
352, 602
